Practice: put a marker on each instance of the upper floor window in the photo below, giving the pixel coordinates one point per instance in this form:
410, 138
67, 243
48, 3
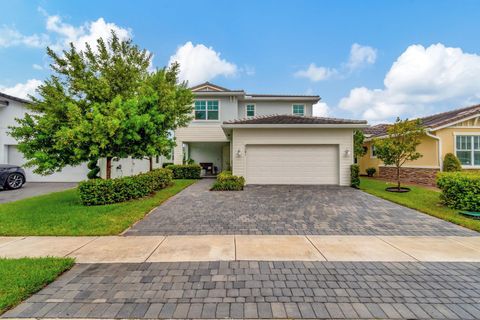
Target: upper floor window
373, 152
467, 149
250, 110
298, 109
206, 110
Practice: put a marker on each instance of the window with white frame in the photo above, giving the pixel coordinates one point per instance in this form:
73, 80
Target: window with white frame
467, 149
373, 153
298, 109
206, 110
250, 110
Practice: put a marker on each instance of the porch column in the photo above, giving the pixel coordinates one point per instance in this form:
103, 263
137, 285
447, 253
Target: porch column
178, 153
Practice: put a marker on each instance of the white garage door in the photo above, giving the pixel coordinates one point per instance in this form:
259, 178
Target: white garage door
68, 174
292, 164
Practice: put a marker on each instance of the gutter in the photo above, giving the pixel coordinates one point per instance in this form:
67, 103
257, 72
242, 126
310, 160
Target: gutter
294, 126
439, 141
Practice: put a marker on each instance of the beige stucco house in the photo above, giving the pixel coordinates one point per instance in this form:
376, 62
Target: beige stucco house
456, 131
268, 139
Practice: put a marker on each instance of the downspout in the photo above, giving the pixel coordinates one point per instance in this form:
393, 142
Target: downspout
439, 141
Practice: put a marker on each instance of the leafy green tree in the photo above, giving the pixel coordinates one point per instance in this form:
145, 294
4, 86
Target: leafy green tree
400, 145
358, 148
102, 103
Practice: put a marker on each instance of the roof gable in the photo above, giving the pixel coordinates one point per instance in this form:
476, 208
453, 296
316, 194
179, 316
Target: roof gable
207, 87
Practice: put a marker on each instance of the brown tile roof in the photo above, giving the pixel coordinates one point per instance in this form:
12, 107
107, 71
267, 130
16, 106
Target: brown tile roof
431, 122
293, 119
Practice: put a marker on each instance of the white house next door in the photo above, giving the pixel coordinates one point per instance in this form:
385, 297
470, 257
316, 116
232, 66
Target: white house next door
292, 164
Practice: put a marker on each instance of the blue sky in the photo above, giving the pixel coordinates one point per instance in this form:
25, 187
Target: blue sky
366, 59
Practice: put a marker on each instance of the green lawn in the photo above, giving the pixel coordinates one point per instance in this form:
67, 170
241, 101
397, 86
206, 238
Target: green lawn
62, 214
421, 199
20, 278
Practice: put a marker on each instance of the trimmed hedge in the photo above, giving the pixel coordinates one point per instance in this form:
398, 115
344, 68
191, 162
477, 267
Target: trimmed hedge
460, 190
355, 176
166, 164
185, 171
99, 192
451, 163
228, 182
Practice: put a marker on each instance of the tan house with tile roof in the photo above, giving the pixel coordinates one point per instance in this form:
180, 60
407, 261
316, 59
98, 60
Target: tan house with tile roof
456, 131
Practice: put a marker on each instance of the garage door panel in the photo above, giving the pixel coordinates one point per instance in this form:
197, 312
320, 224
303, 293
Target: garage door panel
68, 174
292, 164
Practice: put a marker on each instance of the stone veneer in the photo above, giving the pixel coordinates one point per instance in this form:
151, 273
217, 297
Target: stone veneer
424, 176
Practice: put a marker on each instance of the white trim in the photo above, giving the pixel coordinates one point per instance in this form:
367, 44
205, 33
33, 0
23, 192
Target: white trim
254, 110
294, 126
206, 111
299, 104
439, 143
281, 98
455, 122
472, 151
465, 127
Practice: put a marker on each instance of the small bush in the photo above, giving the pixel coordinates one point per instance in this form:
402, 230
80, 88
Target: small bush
371, 172
354, 176
228, 182
166, 164
185, 171
460, 190
94, 169
99, 192
451, 163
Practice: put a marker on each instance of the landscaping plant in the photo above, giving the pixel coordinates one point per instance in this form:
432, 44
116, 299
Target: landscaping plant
228, 182
400, 145
451, 163
102, 103
371, 171
358, 148
355, 176
460, 190
100, 192
185, 171
94, 169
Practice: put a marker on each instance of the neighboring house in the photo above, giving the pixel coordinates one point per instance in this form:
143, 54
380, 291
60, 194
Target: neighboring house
456, 131
12, 108
268, 139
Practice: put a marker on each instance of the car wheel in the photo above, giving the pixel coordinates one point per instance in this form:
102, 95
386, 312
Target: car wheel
14, 181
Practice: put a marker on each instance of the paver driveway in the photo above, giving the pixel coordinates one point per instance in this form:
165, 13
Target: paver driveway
326, 210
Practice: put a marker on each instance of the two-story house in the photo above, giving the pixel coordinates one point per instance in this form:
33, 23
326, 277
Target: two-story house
268, 139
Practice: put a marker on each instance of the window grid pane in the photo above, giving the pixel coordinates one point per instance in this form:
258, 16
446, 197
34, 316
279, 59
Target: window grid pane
206, 110
298, 109
250, 110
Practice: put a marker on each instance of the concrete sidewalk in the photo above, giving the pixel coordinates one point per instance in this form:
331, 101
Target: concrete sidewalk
137, 249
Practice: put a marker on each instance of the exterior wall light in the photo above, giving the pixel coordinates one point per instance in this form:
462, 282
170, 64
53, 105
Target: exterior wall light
239, 153
347, 153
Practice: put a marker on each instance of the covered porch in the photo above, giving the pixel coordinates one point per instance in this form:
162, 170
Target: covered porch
213, 157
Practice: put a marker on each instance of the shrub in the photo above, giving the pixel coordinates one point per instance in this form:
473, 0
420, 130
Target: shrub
94, 169
99, 192
166, 164
228, 182
460, 190
354, 176
451, 163
185, 171
371, 171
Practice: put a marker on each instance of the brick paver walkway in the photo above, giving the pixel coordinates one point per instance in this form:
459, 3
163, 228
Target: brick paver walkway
285, 209
250, 289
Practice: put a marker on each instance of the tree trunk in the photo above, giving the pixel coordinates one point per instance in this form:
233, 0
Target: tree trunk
109, 168
151, 163
398, 178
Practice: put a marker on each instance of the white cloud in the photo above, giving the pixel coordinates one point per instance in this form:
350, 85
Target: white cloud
199, 63
314, 73
89, 32
361, 56
22, 90
37, 66
321, 109
421, 81
11, 37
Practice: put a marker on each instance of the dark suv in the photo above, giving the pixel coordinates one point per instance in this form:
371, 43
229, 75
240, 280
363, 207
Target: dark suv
11, 176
